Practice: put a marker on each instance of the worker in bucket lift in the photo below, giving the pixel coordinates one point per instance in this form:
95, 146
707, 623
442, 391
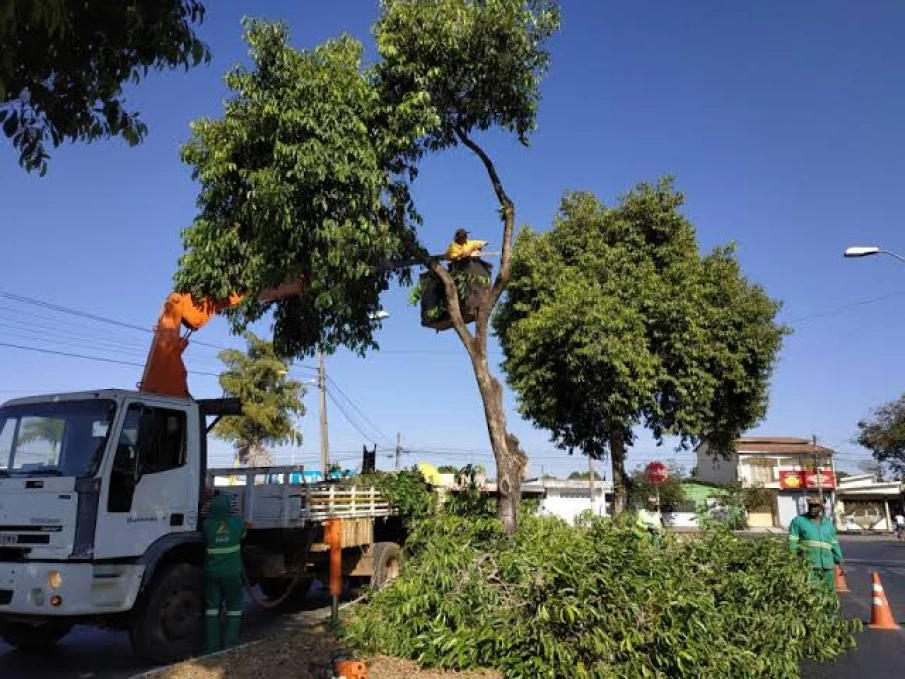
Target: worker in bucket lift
223, 536
462, 248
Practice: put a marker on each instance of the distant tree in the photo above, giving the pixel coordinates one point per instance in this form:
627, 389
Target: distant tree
873, 467
671, 492
883, 433
63, 64
613, 321
448, 469
575, 476
270, 399
841, 474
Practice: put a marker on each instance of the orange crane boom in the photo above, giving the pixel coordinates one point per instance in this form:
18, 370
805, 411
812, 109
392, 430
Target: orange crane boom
164, 371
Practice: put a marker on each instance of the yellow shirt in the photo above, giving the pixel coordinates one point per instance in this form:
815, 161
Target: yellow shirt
455, 252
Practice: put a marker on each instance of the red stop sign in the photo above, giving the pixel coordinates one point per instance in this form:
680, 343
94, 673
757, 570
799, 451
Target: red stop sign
656, 473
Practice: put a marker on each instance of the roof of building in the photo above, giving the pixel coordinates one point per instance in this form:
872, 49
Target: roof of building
779, 444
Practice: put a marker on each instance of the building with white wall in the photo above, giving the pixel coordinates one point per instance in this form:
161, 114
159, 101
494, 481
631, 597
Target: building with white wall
794, 467
567, 498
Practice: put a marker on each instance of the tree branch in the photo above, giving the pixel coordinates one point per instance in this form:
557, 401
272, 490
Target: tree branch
508, 209
488, 164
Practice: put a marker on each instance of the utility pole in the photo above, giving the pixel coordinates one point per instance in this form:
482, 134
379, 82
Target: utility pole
591, 479
817, 468
398, 448
322, 388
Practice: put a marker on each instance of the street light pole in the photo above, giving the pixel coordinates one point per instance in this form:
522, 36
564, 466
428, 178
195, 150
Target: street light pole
868, 251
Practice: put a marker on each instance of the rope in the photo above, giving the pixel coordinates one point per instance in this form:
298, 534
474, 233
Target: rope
268, 604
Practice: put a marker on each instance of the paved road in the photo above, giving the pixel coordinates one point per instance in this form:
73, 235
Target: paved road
91, 654
880, 653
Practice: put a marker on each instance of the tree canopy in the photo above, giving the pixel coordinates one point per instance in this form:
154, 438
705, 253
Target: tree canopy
883, 433
63, 64
308, 174
270, 401
614, 321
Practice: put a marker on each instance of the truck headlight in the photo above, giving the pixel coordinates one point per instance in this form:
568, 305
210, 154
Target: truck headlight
54, 579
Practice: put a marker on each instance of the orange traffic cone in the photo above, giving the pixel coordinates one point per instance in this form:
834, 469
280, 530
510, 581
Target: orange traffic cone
880, 614
841, 584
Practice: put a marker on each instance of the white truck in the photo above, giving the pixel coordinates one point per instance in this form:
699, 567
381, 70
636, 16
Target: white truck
101, 499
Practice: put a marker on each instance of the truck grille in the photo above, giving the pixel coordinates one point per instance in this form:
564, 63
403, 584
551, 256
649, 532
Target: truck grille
6, 597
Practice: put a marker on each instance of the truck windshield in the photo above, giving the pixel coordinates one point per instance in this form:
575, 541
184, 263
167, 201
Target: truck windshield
65, 438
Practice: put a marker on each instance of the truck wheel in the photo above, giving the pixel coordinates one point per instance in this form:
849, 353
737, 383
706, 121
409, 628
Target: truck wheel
33, 637
169, 624
387, 557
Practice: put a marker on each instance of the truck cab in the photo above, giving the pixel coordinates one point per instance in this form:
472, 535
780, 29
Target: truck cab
100, 497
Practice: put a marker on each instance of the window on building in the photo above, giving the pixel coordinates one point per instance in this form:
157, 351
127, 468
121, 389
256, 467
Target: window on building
761, 469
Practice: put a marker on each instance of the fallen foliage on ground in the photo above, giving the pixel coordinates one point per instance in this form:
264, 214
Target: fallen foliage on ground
300, 654
600, 600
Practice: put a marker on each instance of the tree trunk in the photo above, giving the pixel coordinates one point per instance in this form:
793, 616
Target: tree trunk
620, 479
511, 461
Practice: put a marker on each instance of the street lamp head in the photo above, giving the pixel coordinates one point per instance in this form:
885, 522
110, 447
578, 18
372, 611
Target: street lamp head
861, 251
379, 315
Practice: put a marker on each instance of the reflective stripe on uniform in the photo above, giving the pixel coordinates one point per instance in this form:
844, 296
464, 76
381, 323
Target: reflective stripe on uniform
212, 611
233, 614
223, 550
815, 543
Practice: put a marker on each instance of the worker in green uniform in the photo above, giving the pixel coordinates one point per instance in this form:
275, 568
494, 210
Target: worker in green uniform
650, 519
223, 535
816, 535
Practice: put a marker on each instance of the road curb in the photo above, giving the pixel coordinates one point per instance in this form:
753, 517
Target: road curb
157, 671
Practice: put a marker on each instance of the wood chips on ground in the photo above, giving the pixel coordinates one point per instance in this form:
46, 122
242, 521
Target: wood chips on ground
300, 654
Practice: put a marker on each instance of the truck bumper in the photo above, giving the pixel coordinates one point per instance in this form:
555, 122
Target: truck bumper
27, 588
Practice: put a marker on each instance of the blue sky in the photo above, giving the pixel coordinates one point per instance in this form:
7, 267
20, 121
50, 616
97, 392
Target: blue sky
781, 122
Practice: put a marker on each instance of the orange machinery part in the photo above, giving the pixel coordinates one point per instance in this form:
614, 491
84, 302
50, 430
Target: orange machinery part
164, 371
350, 669
334, 536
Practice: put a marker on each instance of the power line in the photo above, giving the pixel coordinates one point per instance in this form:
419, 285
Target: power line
358, 410
68, 354
349, 417
837, 310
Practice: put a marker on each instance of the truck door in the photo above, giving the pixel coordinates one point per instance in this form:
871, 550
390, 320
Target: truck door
153, 482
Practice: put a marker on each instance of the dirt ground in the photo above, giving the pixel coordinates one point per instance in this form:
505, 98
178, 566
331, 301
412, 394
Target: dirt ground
300, 654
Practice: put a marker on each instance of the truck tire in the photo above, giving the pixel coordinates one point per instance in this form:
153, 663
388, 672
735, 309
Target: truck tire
387, 556
169, 623
33, 637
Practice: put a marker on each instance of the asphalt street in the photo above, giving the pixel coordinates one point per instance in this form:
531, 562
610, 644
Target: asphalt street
87, 653
90, 653
880, 653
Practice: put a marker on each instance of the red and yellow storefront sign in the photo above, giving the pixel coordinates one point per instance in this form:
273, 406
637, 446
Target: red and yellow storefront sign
794, 480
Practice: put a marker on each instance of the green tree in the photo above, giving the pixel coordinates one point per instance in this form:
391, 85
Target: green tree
614, 321
63, 64
577, 476
883, 433
308, 174
671, 492
270, 400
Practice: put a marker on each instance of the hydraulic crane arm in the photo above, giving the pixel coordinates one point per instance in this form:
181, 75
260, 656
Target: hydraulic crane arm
165, 371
